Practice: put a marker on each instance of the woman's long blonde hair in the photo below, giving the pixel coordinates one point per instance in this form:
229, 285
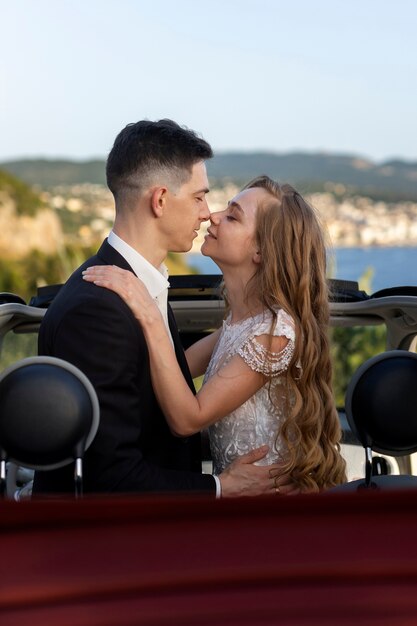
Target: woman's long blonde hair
292, 276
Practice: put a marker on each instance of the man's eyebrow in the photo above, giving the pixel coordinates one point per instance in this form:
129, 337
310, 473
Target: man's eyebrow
205, 190
235, 205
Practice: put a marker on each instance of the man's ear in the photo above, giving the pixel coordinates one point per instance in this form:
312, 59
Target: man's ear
158, 201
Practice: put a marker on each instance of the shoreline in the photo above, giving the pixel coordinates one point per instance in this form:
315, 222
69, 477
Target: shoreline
338, 245
373, 267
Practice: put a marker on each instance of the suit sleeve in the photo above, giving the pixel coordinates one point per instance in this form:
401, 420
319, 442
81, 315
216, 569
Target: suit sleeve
101, 337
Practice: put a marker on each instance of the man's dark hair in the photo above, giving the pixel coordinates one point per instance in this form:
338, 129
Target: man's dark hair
147, 153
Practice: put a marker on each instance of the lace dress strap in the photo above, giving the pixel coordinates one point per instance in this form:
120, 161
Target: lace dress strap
262, 360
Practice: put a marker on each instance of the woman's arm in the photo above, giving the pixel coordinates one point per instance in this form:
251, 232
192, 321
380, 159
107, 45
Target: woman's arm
186, 414
224, 392
198, 355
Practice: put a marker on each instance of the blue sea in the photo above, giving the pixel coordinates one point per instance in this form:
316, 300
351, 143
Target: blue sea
373, 268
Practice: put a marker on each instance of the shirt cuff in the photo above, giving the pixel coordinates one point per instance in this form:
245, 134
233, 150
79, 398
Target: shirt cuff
218, 486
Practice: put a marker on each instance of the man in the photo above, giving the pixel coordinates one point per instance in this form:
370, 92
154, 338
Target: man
156, 172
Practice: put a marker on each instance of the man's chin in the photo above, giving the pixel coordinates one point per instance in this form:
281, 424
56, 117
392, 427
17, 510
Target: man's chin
181, 249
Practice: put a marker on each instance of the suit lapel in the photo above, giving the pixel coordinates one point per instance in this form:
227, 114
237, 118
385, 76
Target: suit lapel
109, 256
179, 351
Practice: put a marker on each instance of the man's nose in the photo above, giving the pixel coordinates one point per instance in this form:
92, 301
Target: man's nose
205, 212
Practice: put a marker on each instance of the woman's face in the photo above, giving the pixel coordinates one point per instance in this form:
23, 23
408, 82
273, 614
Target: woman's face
230, 239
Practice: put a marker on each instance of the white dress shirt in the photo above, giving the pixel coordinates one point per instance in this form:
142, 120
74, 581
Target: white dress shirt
155, 280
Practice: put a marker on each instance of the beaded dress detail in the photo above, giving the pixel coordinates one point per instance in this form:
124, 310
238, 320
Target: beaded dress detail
256, 422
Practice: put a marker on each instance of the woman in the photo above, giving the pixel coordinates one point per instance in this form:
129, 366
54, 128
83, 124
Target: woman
268, 370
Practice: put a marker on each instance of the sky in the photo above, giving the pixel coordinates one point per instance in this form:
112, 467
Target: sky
264, 75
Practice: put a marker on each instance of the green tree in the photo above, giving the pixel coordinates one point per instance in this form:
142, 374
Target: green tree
26, 200
350, 347
24, 276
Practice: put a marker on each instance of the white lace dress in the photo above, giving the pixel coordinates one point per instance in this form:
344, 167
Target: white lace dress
256, 422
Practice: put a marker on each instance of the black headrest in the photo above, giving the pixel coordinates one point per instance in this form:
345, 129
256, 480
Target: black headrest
48, 412
381, 403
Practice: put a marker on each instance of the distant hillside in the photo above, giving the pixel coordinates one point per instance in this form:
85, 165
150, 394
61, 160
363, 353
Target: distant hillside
51, 172
25, 201
394, 180
26, 223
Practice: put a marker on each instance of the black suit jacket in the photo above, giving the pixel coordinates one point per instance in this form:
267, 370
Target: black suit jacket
134, 449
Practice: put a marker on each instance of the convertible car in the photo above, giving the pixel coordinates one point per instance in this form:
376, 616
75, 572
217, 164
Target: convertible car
344, 556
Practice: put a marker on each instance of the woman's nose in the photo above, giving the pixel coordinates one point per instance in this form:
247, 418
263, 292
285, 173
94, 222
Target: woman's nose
215, 217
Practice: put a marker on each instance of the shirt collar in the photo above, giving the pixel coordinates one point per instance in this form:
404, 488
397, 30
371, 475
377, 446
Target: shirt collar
155, 280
